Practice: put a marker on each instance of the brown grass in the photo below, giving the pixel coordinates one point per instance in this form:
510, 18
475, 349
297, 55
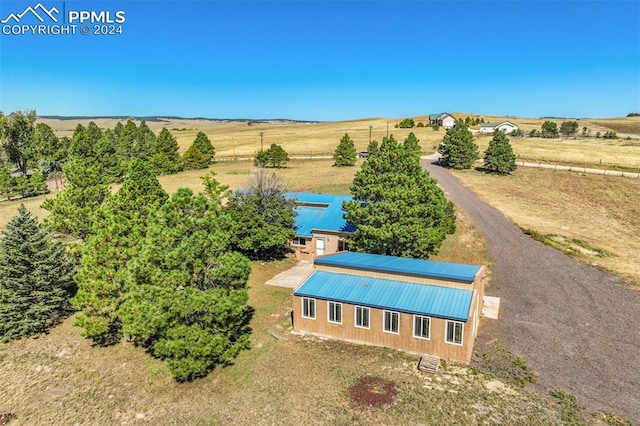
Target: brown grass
601, 211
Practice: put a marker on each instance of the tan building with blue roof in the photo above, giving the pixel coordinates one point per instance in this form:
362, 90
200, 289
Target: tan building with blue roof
417, 306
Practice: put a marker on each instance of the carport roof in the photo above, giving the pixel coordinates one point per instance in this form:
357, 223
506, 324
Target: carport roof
399, 296
401, 265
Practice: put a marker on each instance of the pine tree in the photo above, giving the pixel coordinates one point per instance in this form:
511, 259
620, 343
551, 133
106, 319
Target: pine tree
186, 292
165, 159
397, 208
193, 159
412, 144
73, 209
458, 149
143, 146
35, 278
203, 143
345, 153
108, 159
127, 140
263, 217
119, 230
373, 148
499, 157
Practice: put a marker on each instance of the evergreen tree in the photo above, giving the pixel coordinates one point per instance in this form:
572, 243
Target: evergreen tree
373, 148
345, 153
412, 144
186, 292
165, 159
499, 157
262, 158
73, 209
458, 149
119, 230
275, 156
128, 138
203, 143
143, 146
35, 278
108, 159
81, 145
5, 182
397, 208
193, 159
549, 129
49, 146
36, 184
263, 217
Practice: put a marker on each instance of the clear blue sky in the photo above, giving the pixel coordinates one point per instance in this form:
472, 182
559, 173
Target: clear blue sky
316, 60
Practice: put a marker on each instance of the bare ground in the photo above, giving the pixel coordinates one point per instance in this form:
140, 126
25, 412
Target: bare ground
574, 324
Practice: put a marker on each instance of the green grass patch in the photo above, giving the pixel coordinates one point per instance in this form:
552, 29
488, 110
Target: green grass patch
570, 246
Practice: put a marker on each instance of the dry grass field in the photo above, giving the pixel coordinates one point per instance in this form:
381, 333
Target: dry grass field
578, 213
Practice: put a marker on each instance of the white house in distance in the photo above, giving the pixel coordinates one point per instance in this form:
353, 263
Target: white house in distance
443, 119
505, 126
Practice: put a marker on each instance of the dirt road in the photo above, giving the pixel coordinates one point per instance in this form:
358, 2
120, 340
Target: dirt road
574, 324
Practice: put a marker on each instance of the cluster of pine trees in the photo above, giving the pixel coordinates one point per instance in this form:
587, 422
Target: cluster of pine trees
459, 151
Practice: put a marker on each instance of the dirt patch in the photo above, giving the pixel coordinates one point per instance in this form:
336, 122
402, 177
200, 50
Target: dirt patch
374, 391
6, 418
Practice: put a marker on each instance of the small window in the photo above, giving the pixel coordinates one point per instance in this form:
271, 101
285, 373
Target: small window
391, 322
421, 327
299, 241
454, 331
308, 308
362, 317
334, 312
343, 245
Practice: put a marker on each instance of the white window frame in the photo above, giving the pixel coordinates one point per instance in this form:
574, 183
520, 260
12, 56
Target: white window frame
446, 332
421, 318
384, 321
355, 316
308, 299
337, 307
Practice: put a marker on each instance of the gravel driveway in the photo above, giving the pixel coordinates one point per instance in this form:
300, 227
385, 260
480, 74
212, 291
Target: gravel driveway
577, 326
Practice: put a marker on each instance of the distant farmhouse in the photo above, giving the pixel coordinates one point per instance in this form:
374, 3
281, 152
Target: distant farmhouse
320, 225
417, 306
505, 126
443, 119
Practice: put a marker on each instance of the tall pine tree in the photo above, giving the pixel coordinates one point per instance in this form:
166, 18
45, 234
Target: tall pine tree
35, 278
499, 157
412, 144
397, 208
458, 149
119, 230
203, 143
186, 292
165, 159
345, 153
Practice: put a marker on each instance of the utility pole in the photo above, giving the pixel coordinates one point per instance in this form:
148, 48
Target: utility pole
370, 129
387, 130
261, 141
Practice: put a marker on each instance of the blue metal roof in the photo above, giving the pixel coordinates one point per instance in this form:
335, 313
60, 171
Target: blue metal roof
421, 299
319, 212
401, 265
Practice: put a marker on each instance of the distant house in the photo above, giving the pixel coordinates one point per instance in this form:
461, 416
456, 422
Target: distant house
417, 306
320, 225
505, 126
443, 119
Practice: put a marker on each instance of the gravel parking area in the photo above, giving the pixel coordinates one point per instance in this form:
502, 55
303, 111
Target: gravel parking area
577, 326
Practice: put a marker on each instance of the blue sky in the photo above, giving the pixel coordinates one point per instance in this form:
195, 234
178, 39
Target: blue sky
317, 60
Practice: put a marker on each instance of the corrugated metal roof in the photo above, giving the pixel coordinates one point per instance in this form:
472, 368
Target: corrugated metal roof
319, 212
401, 265
421, 299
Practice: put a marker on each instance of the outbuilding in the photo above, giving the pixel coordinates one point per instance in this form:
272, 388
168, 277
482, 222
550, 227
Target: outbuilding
417, 306
320, 225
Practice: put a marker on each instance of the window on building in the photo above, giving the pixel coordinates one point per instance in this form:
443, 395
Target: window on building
421, 327
299, 241
343, 245
362, 317
391, 322
335, 312
308, 308
454, 331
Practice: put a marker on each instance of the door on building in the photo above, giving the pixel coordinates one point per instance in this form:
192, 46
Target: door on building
319, 246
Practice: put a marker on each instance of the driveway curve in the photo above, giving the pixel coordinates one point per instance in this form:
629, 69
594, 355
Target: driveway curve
574, 324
